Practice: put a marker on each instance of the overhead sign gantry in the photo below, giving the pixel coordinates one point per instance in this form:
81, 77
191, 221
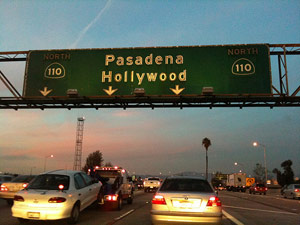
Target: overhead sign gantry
161, 71
154, 77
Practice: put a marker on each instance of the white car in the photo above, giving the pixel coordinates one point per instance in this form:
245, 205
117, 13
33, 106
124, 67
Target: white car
56, 195
291, 191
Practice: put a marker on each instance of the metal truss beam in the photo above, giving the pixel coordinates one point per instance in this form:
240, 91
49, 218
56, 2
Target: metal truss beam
150, 102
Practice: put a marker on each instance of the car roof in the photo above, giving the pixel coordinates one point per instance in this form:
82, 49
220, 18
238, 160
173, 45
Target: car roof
186, 177
6, 175
63, 172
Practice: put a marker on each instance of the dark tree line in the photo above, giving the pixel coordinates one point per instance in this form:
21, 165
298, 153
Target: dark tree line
287, 176
93, 159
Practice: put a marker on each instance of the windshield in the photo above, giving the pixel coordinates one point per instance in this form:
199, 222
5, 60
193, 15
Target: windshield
50, 182
186, 185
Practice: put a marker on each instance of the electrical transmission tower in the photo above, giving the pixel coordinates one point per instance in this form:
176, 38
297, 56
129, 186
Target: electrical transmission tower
78, 147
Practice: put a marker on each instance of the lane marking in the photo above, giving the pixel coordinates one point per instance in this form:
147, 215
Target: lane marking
261, 210
233, 219
125, 214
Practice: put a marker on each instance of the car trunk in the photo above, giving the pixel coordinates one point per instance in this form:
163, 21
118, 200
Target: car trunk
40, 196
186, 202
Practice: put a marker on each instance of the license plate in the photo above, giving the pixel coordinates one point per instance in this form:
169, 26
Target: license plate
186, 204
34, 215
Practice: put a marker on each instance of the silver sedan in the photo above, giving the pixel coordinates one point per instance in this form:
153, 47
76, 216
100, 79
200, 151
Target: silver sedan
184, 200
292, 191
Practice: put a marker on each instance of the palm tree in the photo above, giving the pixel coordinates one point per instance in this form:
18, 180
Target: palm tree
206, 143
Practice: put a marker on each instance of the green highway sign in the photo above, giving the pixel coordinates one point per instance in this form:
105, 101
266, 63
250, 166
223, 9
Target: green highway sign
159, 71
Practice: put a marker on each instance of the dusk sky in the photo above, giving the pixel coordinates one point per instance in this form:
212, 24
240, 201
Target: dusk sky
148, 141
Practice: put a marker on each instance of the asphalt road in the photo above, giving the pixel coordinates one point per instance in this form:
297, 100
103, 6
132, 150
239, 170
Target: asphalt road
238, 208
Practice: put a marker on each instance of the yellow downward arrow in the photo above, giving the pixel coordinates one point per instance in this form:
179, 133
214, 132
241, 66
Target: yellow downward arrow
110, 91
177, 90
45, 92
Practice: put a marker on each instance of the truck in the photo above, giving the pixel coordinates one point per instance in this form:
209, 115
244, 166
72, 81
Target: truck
151, 184
117, 186
236, 182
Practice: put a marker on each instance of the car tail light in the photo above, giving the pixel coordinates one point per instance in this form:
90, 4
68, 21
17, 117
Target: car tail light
18, 198
296, 190
255, 189
159, 199
61, 187
266, 189
4, 188
111, 197
214, 201
57, 200
25, 185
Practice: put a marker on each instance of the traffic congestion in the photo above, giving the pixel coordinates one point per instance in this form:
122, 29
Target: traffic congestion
141, 112
74, 197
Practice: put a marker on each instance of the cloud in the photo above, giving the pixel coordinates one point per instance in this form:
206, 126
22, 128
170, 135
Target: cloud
85, 30
18, 157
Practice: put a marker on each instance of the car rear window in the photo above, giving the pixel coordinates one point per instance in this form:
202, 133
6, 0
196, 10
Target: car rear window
153, 178
23, 178
186, 185
297, 186
50, 182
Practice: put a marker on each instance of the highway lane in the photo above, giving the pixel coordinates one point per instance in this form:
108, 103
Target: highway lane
136, 214
93, 215
239, 208
261, 209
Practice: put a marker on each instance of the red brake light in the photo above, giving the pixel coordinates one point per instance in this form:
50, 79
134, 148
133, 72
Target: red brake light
214, 201
111, 197
18, 198
57, 200
4, 188
296, 190
61, 187
25, 185
159, 199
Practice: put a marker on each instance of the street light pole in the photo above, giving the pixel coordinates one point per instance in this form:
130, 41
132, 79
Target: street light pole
49, 156
255, 144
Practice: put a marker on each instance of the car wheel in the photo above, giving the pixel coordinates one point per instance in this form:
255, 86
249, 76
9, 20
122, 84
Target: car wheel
22, 221
10, 202
130, 199
120, 203
74, 214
